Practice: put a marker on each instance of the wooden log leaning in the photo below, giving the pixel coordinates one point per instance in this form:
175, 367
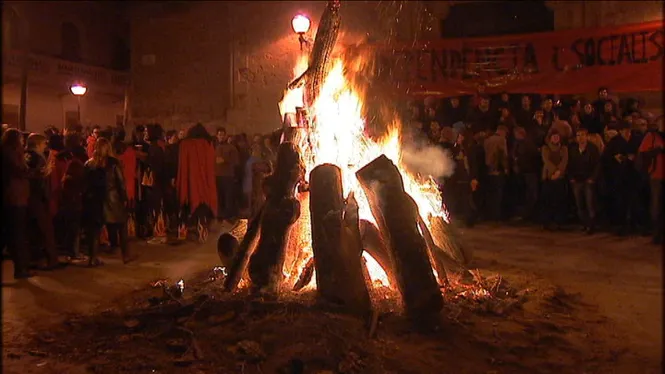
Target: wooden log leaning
336, 245
242, 255
444, 264
227, 248
445, 236
280, 211
351, 250
376, 247
397, 220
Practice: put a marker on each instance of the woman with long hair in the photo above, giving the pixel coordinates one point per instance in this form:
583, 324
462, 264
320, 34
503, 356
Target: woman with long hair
105, 200
16, 192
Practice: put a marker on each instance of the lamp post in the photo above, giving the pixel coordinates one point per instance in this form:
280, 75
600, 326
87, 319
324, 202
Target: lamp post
78, 90
300, 24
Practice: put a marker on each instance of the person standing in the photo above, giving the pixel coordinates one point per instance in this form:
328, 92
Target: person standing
157, 176
91, 140
171, 170
226, 163
15, 193
583, 171
620, 175
526, 167
71, 207
555, 162
38, 203
105, 200
496, 159
652, 161
256, 168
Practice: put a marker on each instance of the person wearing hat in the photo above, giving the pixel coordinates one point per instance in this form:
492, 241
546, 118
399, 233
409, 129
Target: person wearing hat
555, 163
620, 176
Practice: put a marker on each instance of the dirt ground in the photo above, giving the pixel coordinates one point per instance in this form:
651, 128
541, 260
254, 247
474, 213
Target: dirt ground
560, 303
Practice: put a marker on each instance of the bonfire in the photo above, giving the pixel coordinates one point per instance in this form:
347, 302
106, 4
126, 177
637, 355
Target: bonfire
343, 214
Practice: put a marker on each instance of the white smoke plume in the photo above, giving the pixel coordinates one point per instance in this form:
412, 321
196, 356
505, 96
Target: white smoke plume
428, 160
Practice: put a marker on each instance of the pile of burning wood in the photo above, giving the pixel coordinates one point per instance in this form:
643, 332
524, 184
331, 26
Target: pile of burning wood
415, 258
273, 255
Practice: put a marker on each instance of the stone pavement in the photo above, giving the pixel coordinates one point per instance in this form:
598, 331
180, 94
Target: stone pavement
47, 297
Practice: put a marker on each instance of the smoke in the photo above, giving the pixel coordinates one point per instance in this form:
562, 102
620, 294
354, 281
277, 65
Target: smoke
428, 160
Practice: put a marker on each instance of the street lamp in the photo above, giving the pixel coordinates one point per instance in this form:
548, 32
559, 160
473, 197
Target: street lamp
78, 90
300, 24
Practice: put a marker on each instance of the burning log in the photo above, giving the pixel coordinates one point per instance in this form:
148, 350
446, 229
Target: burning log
280, 212
336, 241
305, 276
374, 244
445, 237
227, 248
319, 59
240, 260
397, 219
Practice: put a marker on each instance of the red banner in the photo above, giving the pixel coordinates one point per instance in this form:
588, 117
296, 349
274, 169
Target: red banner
624, 58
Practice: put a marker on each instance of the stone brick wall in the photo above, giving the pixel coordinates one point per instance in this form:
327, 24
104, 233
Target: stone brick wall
48, 97
227, 63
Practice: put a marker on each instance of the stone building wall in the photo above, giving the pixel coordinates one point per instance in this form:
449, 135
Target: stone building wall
227, 63
49, 102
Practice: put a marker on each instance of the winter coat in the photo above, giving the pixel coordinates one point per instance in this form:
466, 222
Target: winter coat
38, 185
526, 157
555, 158
583, 164
15, 182
105, 197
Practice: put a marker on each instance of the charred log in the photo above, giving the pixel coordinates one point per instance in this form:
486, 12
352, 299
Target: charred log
320, 57
446, 238
280, 212
227, 247
336, 242
242, 255
397, 220
376, 247
306, 275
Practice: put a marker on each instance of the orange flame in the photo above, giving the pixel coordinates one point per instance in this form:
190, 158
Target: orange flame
159, 229
338, 137
203, 232
131, 226
182, 231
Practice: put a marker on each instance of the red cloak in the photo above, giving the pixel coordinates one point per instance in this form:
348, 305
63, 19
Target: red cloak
196, 174
91, 146
128, 162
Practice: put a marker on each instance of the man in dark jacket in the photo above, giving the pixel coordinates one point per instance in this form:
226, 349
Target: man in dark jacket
480, 117
39, 197
524, 115
620, 176
583, 170
526, 166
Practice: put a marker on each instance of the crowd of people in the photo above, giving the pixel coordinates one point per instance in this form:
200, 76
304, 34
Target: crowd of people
548, 159
94, 188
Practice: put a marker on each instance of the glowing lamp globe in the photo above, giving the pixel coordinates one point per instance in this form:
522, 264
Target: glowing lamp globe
300, 24
78, 89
